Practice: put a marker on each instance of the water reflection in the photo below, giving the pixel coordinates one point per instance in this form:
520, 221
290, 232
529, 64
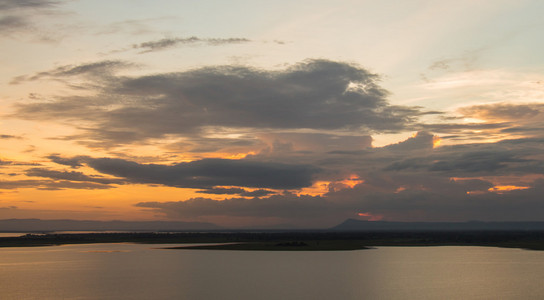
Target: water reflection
137, 271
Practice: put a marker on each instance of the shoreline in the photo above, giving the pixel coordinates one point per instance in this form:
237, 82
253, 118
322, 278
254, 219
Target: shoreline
292, 241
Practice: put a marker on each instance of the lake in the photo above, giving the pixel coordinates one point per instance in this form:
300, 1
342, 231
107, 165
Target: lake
140, 271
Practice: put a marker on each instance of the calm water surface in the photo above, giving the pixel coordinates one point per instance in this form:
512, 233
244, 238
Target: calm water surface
132, 271
11, 234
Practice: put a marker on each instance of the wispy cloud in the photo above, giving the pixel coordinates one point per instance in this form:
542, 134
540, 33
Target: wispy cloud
18, 17
9, 137
505, 112
100, 69
165, 43
70, 176
52, 185
236, 191
11, 23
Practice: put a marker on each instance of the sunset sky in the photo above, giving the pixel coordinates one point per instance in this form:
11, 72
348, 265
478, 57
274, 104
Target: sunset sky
272, 113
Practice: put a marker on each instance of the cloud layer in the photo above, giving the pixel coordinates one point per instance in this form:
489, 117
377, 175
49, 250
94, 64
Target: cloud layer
442, 200
201, 174
289, 146
315, 95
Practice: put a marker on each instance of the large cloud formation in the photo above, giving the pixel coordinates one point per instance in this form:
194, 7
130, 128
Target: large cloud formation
407, 181
314, 95
309, 125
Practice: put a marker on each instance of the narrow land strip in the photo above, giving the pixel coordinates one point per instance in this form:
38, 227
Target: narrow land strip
293, 241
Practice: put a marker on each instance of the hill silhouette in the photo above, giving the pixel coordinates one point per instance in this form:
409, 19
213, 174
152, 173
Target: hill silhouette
362, 225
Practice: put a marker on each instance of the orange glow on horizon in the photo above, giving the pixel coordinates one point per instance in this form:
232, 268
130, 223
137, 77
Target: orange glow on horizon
400, 189
370, 216
322, 187
99, 204
317, 189
239, 155
499, 189
219, 155
352, 181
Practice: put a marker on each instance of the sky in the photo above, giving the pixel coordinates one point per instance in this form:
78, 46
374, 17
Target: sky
296, 114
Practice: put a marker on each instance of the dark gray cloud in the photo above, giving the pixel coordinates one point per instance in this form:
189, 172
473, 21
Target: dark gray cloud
70, 176
288, 206
516, 156
17, 163
415, 156
222, 191
471, 162
257, 193
193, 40
65, 184
5, 162
445, 200
408, 181
317, 95
425, 197
73, 162
9, 136
236, 191
52, 185
8, 207
204, 174
477, 161
422, 140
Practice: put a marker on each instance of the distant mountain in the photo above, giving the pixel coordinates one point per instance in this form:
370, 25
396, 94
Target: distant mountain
37, 225
360, 225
